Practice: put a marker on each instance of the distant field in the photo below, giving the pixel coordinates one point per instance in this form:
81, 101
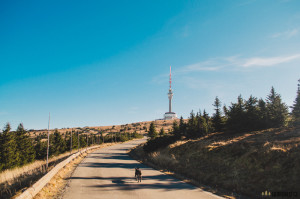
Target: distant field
139, 127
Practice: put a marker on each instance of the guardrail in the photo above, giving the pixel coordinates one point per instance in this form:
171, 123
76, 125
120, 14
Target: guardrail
39, 185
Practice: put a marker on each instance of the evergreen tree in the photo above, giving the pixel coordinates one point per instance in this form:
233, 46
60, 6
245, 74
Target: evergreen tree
191, 127
262, 115
24, 146
217, 117
277, 110
152, 131
236, 116
202, 126
251, 114
208, 121
205, 115
162, 132
175, 128
296, 107
40, 149
58, 144
182, 128
8, 147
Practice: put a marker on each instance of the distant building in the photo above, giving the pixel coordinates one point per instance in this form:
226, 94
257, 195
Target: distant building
170, 115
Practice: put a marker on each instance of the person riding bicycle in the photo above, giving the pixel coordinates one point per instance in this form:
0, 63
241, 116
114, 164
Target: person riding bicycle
138, 174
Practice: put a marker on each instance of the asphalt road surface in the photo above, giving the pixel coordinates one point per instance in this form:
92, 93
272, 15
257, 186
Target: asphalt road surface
109, 173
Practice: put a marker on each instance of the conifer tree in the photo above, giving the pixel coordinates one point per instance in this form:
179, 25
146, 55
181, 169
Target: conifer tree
236, 116
152, 131
191, 127
58, 144
262, 115
217, 117
24, 146
182, 130
175, 129
162, 132
251, 114
8, 147
205, 115
296, 107
40, 149
277, 110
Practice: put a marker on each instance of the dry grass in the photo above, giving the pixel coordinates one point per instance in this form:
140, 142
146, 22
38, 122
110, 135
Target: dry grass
56, 186
138, 127
58, 182
12, 180
246, 163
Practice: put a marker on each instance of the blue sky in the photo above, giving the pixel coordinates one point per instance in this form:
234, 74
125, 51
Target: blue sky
107, 62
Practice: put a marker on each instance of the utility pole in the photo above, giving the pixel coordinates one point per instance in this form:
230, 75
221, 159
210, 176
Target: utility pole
48, 143
78, 141
87, 140
71, 141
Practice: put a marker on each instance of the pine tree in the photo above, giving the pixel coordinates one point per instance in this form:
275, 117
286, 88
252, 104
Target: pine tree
296, 107
175, 129
205, 115
9, 154
236, 116
191, 127
182, 129
251, 114
217, 117
40, 149
58, 144
263, 115
162, 132
152, 131
24, 146
277, 110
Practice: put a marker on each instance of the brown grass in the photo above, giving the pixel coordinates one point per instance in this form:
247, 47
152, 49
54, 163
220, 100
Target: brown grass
55, 188
246, 163
138, 127
12, 180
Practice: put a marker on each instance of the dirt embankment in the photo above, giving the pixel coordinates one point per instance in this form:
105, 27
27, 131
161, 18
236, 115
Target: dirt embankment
248, 164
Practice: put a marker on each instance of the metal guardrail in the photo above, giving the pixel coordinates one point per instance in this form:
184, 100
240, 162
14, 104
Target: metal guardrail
39, 185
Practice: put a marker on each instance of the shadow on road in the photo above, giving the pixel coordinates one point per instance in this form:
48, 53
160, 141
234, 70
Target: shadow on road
113, 165
129, 183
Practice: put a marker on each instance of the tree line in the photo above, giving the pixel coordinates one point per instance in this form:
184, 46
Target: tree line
244, 115
17, 148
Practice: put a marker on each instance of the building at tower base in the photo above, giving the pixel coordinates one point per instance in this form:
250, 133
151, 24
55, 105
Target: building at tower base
170, 116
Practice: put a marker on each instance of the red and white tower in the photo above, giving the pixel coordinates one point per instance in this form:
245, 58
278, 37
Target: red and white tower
170, 115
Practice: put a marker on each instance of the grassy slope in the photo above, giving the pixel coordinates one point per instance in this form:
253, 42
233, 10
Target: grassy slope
246, 163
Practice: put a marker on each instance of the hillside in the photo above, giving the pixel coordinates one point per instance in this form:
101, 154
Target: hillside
248, 163
139, 127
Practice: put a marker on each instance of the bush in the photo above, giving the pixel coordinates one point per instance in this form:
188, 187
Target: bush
159, 142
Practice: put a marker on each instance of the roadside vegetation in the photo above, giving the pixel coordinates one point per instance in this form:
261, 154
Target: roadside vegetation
23, 157
249, 147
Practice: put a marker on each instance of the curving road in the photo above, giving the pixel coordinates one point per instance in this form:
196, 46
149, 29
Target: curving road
109, 173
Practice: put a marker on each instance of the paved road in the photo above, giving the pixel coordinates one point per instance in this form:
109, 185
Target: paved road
109, 173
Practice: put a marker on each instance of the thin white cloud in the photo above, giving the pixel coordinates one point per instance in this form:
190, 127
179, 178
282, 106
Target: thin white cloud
269, 61
209, 65
227, 63
286, 34
216, 64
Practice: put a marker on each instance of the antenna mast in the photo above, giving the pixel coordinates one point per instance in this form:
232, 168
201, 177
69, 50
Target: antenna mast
170, 81
48, 143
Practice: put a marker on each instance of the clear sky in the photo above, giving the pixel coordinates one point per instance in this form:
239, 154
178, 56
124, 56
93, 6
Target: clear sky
107, 62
